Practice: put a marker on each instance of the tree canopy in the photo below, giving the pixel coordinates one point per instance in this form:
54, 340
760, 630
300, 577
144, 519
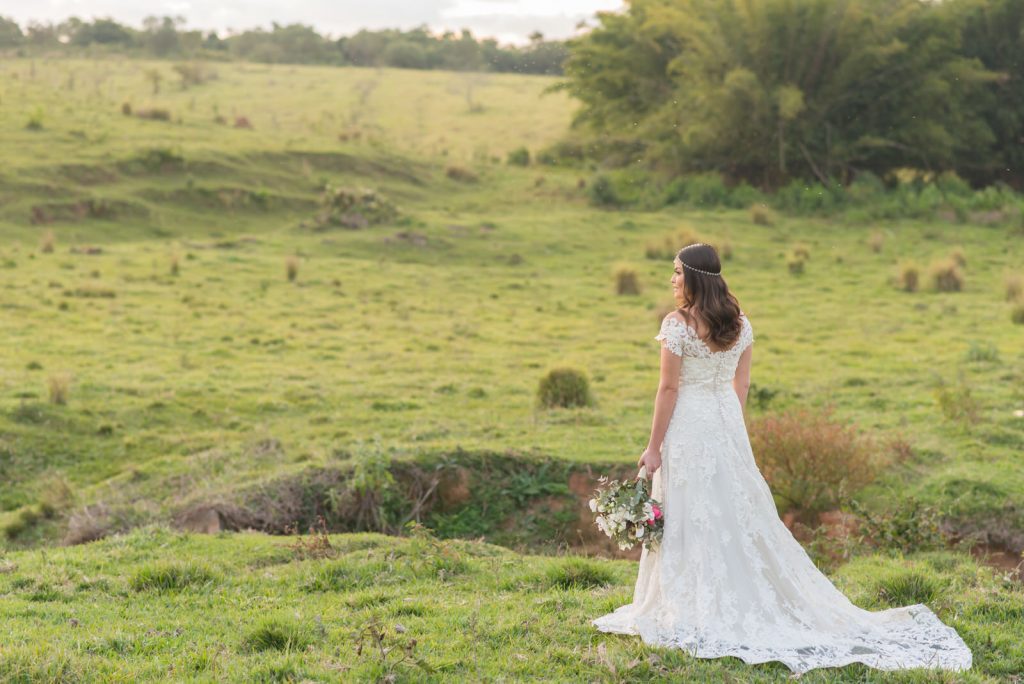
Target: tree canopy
770, 90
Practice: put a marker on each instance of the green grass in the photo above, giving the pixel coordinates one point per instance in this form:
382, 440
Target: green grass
73, 613
197, 372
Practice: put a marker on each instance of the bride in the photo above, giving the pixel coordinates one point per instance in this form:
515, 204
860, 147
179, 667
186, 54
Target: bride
728, 578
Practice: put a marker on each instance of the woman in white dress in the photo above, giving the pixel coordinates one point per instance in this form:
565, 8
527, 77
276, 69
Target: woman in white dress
729, 579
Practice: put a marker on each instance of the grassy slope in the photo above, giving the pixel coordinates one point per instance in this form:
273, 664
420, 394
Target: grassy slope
154, 605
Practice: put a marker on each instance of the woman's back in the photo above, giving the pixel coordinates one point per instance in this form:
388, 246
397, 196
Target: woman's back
701, 365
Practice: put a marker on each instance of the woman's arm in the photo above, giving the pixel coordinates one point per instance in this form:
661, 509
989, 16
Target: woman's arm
664, 404
741, 381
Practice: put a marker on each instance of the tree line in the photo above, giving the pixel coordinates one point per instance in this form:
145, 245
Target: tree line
166, 37
769, 91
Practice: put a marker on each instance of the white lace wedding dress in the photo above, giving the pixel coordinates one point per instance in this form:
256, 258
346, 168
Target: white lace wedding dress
729, 579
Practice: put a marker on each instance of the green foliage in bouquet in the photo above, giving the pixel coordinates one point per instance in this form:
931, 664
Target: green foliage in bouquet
627, 513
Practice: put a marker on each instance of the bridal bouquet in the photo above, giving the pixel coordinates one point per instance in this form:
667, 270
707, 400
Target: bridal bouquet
627, 513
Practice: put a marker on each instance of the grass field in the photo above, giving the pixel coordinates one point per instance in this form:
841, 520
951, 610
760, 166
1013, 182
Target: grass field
194, 368
245, 607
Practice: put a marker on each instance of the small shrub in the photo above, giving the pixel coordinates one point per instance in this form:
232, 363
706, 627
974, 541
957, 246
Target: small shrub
60, 387
193, 74
876, 241
909, 277
686, 238
277, 634
433, 558
1017, 312
564, 388
461, 174
958, 257
25, 520
725, 250
761, 396
982, 354
47, 243
795, 265
126, 108
154, 114
946, 276
907, 588
171, 576
519, 157
602, 192
957, 402
664, 250
761, 215
706, 189
91, 291
242, 122
627, 282
35, 120
866, 187
292, 267
354, 208
802, 251
175, 267
55, 497
160, 159
951, 184
578, 573
911, 528
812, 462
1014, 287
563, 153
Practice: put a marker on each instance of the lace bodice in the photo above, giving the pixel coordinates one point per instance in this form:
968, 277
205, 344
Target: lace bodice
701, 366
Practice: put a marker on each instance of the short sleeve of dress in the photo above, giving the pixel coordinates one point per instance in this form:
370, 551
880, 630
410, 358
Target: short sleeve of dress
746, 334
671, 335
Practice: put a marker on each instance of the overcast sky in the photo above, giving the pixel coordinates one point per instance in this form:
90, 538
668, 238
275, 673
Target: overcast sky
510, 21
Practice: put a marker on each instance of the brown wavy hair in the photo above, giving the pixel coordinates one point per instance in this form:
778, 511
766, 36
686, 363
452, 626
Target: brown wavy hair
709, 295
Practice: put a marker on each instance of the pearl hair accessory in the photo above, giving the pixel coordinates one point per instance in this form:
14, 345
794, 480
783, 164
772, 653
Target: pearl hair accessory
698, 244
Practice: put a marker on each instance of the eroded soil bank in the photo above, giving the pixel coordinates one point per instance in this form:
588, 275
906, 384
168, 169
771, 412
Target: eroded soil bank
525, 502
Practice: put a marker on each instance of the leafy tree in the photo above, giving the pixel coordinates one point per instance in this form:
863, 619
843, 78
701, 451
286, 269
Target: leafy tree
103, 32
162, 34
769, 90
10, 33
993, 32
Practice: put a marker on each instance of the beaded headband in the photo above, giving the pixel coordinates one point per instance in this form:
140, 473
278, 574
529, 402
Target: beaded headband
697, 244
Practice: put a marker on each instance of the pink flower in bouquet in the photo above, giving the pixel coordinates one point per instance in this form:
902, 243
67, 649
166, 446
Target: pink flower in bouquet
657, 514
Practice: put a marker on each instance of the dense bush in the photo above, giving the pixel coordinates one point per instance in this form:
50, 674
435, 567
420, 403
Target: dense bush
811, 461
911, 528
519, 157
602, 192
461, 174
761, 215
698, 190
865, 200
564, 388
957, 401
354, 208
909, 277
563, 153
1014, 287
1017, 312
627, 282
946, 276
